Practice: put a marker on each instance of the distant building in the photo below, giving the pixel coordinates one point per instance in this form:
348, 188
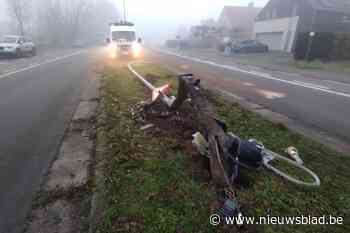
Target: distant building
280, 21
238, 22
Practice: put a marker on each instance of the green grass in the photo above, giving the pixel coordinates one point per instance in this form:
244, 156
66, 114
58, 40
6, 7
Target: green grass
269, 194
149, 186
314, 65
284, 59
338, 66
279, 197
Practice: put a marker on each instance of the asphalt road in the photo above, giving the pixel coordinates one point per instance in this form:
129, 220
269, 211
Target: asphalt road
315, 103
38, 96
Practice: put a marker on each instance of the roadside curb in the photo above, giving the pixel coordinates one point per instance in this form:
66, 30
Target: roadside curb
67, 188
96, 206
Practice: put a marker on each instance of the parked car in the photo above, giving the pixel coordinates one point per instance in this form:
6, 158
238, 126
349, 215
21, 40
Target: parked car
16, 46
250, 46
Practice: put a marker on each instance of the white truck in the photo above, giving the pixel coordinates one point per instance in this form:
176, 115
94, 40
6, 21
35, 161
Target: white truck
122, 41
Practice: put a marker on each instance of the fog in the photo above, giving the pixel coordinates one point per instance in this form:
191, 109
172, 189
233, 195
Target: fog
159, 19
156, 20
58, 22
3, 13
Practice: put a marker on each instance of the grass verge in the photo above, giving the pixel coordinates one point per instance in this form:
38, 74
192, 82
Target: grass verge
338, 67
149, 186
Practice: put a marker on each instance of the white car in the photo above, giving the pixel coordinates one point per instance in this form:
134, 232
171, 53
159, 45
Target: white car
16, 46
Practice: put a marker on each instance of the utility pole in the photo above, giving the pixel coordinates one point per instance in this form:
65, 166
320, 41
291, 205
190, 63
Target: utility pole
124, 6
311, 36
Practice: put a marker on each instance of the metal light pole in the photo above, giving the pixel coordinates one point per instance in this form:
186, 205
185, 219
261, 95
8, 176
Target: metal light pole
309, 46
124, 6
311, 36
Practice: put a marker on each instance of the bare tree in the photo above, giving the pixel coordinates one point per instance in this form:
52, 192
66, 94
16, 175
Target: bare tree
60, 22
20, 11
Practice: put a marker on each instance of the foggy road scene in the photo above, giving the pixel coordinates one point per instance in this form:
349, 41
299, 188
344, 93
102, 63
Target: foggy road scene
174, 116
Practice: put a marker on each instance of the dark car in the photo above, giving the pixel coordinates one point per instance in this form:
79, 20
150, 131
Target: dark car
250, 46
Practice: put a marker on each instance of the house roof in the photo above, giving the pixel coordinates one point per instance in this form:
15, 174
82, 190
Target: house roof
238, 15
331, 5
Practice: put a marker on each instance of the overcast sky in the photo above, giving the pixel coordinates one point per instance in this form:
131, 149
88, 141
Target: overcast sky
180, 10
161, 18
2, 10
167, 15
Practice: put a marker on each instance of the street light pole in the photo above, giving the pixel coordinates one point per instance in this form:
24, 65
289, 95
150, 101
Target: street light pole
124, 6
311, 36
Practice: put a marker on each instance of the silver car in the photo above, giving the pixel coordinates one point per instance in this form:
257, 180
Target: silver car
16, 46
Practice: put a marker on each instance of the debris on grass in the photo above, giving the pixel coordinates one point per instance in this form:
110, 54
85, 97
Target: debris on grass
146, 127
156, 181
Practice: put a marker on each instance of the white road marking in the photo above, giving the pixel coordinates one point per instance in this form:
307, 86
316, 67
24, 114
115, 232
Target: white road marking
249, 84
256, 74
311, 85
271, 95
231, 94
30, 67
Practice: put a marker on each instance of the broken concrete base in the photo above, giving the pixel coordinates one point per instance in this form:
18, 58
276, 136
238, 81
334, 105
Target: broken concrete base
70, 170
58, 217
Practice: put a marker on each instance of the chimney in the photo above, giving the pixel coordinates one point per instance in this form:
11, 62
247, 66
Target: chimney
251, 4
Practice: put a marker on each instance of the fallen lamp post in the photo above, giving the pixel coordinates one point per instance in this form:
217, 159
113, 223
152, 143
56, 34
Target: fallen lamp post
226, 152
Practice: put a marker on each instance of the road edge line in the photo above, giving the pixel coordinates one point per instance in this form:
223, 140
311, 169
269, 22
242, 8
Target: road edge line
35, 65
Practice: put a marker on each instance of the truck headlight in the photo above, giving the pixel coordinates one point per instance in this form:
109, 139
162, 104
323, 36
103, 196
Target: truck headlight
112, 49
136, 49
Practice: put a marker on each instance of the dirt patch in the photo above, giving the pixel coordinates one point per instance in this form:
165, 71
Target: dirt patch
179, 126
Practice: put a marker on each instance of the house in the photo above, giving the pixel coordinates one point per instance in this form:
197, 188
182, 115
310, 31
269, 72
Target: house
237, 22
281, 21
